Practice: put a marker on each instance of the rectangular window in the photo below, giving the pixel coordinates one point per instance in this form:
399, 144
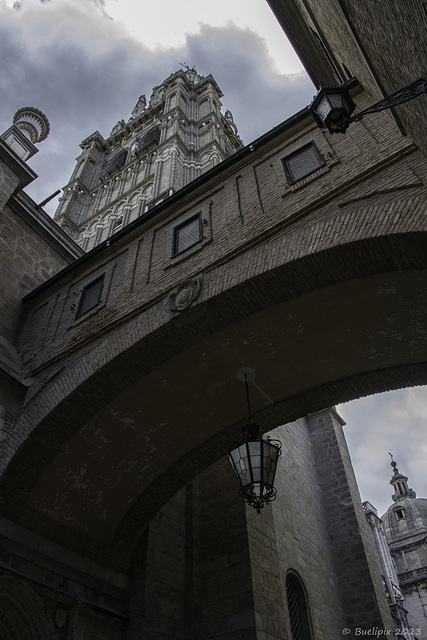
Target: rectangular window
301, 163
90, 297
187, 234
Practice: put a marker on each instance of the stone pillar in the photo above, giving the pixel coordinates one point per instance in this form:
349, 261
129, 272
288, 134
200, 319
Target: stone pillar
360, 586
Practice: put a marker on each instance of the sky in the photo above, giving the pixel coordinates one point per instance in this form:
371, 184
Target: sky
84, 63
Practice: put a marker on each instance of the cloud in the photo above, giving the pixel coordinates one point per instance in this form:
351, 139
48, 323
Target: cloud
85, 71
392, 422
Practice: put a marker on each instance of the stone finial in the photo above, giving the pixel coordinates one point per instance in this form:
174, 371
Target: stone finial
33, 123
139, 107
117, 127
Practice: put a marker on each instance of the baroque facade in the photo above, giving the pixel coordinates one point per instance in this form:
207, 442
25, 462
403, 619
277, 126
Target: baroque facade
400, 540
301, 255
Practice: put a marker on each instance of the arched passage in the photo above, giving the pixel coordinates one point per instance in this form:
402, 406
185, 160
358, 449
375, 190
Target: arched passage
333, 326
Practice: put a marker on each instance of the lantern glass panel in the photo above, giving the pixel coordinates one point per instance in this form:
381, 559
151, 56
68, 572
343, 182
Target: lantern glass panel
336, 100
255, 451
323, 107
270, 457
239, 460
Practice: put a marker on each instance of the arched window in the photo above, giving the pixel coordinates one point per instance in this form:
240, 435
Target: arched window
298, 608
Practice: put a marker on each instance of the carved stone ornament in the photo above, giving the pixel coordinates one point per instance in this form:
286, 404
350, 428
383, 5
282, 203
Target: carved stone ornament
118, 127
185, 294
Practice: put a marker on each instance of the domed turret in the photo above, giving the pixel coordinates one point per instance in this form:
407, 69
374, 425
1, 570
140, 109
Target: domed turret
33, 123
405, 527
30, 126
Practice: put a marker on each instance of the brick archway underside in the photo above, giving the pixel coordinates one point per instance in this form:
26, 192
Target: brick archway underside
350, 321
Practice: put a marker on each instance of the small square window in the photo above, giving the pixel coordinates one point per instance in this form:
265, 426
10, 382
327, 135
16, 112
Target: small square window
301, 163
187, 234
90, 297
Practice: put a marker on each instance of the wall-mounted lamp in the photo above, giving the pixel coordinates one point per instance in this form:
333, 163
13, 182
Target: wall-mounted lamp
254, 462
333, 106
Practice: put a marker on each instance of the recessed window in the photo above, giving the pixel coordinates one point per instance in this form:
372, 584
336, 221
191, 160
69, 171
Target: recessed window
187, 234
298, 608
90, 297
400, 514
301, 163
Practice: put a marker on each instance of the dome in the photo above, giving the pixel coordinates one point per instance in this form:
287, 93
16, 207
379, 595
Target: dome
405, 522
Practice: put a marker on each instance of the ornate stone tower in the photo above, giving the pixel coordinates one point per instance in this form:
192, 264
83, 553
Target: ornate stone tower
405, 525
162, 147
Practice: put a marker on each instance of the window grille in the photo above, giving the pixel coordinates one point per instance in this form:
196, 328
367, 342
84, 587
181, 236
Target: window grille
91, 296
297, 607
187, 234
300, 164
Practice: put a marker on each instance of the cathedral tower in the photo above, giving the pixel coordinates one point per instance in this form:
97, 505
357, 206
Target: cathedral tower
165, 144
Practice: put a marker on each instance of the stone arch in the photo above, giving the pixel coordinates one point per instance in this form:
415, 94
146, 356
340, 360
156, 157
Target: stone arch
135, 199
22, 614
348, 323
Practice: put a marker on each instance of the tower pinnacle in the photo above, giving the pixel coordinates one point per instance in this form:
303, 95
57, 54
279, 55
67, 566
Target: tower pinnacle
30, 126
399, 482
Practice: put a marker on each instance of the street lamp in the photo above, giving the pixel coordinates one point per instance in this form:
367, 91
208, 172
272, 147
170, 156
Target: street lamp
254, 462
332, 106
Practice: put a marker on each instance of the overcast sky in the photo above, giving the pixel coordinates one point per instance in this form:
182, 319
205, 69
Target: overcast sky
84, 63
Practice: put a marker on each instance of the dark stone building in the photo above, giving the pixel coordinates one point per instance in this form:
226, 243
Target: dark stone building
300, 257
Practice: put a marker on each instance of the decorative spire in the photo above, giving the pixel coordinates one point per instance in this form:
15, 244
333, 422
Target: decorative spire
399, 482
33, 123
30, 126
139, 107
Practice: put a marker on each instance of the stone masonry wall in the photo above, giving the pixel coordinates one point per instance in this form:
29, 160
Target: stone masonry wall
365, 36
157, 607
227, 604
26, 261
49, 593
359, 582
416, 602
9, 181
303, 539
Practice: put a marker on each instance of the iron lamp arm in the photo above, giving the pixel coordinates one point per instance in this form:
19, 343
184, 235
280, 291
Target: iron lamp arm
410, 92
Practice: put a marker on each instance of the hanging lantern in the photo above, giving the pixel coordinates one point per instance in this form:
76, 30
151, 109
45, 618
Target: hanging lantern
254, 462
332, 108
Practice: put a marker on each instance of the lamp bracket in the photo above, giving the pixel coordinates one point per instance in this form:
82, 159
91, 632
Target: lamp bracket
410, 92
